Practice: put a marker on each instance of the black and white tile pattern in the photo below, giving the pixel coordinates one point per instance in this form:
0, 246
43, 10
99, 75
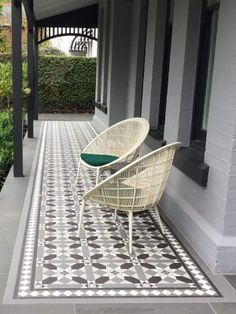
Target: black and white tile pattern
57, 264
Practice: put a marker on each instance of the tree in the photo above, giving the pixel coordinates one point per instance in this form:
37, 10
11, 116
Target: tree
3, 39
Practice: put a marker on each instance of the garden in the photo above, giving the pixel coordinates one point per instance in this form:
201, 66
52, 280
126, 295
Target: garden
6, 116
66, 85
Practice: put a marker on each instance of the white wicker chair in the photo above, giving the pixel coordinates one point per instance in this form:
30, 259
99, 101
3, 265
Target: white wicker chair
136, 187
122, 140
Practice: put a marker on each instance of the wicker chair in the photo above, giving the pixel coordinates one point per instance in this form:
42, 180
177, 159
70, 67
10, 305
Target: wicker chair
136, 187
119, 144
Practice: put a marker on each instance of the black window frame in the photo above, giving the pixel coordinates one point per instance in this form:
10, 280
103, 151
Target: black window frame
142, 48
190, 160
165, 65
198, 134
158, 132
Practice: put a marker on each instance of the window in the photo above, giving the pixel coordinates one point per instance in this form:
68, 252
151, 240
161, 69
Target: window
190, 160
166, 63
141, 57
204, 74
158, 131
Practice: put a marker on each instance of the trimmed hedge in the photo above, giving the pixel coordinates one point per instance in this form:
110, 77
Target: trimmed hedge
6, 57
6, 136
6, 142
66, 84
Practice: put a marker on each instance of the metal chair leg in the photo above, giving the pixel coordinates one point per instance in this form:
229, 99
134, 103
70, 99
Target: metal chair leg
159, 219
97, 176
130, 231
77, 176
81, 216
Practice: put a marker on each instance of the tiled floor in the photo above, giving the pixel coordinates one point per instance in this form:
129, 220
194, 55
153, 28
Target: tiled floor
48, 249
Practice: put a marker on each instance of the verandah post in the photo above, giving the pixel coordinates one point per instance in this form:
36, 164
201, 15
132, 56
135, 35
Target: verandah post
36, 64
17, 87
31, 82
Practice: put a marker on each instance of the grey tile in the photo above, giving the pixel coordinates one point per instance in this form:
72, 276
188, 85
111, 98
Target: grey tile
6, 249
37, 309
224, 308
232, 280
145, 309
3, 281
65, 117
70, 132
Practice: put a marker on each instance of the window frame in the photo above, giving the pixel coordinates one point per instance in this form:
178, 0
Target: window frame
158, 132
198, 134
190, 160
166, 65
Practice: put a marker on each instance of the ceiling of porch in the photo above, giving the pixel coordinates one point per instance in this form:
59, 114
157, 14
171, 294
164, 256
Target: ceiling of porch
48, 8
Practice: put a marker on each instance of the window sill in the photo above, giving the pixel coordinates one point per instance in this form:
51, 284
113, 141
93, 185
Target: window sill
157, 135
102, 107
191, 163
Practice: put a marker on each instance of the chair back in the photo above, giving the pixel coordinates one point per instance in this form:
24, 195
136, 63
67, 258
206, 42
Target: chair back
138, 185
121, 139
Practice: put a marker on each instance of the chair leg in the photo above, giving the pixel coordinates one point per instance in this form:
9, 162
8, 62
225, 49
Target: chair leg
97, 176
81, 216
77, 176
115, 214
130, 230
159, 219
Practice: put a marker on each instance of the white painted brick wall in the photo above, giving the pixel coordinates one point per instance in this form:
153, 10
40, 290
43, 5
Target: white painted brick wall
217, 203
205, 216
221, 148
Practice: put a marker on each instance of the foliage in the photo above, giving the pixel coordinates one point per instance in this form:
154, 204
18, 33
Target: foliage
6, 142
51, 51
66, 84
46, 48
6, 84
4, 44
4, 41
6, 135
3, 38
7, 57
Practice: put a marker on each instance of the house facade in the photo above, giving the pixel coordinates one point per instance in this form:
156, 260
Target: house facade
173, 62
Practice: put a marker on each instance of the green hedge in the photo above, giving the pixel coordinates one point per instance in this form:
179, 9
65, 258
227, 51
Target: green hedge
6, 57
66, 84
6, 136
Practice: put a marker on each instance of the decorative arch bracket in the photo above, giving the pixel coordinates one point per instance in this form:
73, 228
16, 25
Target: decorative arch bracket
46, 33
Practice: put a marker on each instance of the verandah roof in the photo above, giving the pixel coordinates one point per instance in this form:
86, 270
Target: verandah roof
62, 13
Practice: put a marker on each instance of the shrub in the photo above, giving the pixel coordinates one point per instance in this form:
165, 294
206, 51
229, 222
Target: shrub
6, 84
66, 84
7, 57
6, 140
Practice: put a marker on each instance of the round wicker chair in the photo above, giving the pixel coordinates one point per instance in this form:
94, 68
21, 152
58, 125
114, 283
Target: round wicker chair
136, 187
119, 144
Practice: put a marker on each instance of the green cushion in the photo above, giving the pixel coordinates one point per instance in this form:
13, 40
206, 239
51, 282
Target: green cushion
97, 159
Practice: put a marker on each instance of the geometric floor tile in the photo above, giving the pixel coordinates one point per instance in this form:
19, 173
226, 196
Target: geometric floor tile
56, 263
